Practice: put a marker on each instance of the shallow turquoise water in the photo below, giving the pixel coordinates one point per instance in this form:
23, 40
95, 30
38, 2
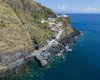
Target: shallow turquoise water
83, 63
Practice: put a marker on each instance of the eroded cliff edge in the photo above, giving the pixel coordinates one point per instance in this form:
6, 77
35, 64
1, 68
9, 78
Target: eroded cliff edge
28, 28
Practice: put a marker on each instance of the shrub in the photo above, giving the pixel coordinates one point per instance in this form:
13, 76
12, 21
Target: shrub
2, 25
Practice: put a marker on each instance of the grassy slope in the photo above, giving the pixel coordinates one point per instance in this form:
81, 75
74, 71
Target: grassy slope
21, 27
18, 17
66, 25
31, 13
13, 35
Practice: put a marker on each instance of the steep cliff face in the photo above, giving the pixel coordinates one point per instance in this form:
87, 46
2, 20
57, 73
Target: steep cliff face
25, 26
30, 6
21, 30
31, 13
13, 35
15, 40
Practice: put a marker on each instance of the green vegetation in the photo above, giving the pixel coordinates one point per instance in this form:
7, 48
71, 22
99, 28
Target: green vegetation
22, 29
40, 32
42, 12
66, 25
13, 35
31, 19
63, 19
2, 25
20, 24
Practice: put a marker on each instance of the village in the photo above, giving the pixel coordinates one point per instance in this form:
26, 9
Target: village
42, 55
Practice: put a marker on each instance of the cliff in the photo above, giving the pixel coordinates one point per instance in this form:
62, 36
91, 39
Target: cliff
26, 26
14, 37
30, 14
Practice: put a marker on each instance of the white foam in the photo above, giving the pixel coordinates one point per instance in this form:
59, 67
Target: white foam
69, 50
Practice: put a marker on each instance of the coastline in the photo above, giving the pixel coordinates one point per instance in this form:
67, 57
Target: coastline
42, 55
46, 37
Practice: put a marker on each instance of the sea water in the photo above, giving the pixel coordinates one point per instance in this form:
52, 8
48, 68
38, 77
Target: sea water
83, 63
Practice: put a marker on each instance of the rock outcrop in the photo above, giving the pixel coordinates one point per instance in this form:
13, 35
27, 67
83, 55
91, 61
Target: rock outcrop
25, 27
15, 40
57, 49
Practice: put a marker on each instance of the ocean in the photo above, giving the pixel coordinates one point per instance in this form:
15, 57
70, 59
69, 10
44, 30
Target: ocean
83, 63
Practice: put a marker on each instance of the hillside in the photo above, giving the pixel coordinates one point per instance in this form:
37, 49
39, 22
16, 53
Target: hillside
31, 13
13, 35
25, 26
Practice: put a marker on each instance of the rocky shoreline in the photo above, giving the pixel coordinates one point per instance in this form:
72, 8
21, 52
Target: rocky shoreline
56, 49
29, 30
43, 55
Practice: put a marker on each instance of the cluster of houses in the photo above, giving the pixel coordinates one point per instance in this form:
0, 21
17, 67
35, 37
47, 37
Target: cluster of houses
52, 24
55, 27
43, 55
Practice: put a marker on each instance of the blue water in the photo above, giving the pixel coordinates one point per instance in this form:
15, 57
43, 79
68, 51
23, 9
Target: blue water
83, 63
